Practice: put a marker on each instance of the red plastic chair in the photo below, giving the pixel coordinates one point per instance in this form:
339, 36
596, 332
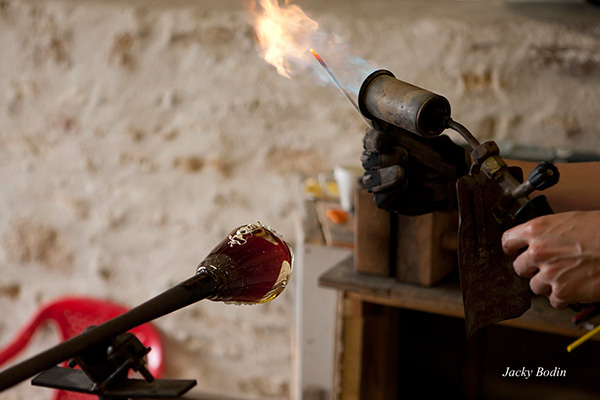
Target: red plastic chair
72, 315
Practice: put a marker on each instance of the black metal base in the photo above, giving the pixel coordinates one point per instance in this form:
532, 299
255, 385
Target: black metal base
77, 381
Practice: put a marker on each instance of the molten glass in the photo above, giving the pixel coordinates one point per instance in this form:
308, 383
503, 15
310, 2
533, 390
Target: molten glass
252, 266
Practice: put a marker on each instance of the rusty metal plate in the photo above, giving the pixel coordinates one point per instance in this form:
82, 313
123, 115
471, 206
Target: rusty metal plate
491, 289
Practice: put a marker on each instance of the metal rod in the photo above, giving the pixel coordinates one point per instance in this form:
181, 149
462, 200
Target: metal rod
198, 287
464, 132
583, 339
340, 86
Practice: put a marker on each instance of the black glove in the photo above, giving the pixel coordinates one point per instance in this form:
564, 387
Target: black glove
412, 175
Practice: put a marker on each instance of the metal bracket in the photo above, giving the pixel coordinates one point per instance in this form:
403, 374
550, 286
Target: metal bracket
76, 380
104, 372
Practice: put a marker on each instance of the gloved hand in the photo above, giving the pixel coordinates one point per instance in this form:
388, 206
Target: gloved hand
412, 175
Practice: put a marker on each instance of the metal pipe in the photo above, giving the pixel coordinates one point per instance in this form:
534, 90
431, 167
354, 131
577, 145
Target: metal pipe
464, 132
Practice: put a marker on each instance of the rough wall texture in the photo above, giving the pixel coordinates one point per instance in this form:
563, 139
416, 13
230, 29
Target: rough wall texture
135, 134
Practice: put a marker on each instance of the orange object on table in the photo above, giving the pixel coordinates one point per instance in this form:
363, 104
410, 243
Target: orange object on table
336, 215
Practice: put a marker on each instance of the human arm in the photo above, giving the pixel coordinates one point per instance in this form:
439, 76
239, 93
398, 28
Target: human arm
578, 187
562, 256
554, 259
562, 251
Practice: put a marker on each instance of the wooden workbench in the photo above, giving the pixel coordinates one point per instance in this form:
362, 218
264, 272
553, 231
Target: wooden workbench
396, 339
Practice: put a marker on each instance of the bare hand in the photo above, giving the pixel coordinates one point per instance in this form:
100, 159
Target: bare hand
562, 256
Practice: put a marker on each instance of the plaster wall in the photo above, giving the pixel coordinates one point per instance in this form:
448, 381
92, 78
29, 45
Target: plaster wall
134, 135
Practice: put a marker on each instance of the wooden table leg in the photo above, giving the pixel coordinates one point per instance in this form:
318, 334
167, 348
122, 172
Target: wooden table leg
367, 358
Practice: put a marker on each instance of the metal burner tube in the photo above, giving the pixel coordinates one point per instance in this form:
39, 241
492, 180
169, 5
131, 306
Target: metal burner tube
383, 97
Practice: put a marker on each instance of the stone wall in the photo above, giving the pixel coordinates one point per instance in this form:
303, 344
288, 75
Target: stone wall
134, 135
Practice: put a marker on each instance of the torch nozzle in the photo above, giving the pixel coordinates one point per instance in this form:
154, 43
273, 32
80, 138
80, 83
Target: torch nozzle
385, 99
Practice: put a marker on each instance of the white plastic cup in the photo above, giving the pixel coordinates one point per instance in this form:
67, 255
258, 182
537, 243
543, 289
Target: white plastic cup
347, 178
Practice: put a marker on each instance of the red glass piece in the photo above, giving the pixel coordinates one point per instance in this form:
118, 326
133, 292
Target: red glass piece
251, 266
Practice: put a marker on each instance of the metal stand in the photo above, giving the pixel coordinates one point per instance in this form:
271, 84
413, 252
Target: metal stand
104, 370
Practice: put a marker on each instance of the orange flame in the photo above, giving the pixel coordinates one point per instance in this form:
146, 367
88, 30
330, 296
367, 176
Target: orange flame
284, 34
